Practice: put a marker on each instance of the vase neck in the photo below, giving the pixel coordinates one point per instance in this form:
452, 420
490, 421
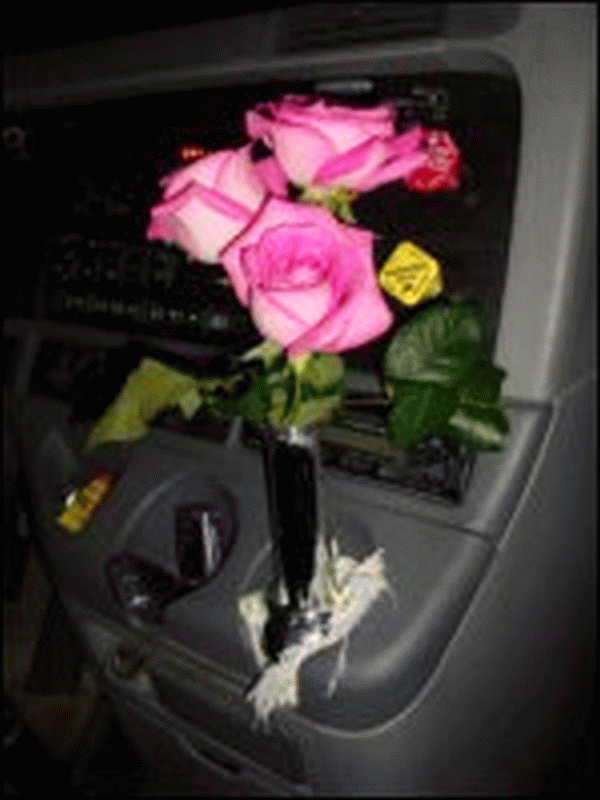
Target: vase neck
301, 437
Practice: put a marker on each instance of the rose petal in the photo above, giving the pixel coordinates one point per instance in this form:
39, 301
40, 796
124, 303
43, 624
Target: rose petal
376, 162
159, 229
201, 229
202, 171
339, 332
392, 170
300, 149
408, 142
306, 136
217, 201
259, 258
272, 176
285, 316
232, 260
207, 204
365, 156
237, 179
340, 121
362, 313
345, 131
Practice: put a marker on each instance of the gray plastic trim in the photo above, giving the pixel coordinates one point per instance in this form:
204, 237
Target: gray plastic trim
395, 648
102, 636
186, 56
495, 485
244, 776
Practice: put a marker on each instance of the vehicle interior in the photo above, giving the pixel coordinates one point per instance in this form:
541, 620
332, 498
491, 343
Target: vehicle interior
479, 679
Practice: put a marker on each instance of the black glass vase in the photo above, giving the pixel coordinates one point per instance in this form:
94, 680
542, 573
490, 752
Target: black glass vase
291, 459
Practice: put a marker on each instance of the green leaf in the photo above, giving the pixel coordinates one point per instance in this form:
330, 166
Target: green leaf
253, 405
419, 410
323, 372
313, 411
337, 199
438, 345
268, 396
280, 385
149, 389
278, 406
479, 427
317, 387
481, 385
190, 402
266, 351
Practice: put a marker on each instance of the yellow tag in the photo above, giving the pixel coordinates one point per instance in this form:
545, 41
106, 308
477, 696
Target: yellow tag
411, 275
78, 512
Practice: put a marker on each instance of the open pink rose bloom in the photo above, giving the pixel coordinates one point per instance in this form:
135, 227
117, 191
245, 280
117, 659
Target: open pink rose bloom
308, 280
334, 146
208, 203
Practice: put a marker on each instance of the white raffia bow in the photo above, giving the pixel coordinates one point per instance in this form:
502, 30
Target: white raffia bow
341, 585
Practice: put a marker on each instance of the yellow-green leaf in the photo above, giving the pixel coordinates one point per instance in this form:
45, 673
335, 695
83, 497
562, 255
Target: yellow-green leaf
190, 402
323, 370
336, 199
266, 351
149, 389
313, 411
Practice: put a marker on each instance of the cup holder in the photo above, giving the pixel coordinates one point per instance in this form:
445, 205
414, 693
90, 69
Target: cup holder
204, 536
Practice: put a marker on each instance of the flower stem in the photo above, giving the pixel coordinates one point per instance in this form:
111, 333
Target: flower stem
298, 365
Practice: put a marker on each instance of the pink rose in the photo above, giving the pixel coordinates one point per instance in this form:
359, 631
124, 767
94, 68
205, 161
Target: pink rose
208, 203
273, 177
308, 280
327, 146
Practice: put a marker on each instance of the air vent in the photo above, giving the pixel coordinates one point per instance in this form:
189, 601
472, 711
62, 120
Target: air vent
329, 25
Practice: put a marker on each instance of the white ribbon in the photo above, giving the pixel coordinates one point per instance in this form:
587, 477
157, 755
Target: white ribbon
341, 585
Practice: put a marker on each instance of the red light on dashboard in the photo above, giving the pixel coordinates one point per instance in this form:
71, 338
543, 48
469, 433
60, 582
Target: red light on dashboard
190, 152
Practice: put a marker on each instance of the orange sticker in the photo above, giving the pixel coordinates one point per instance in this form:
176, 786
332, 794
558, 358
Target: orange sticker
80, 508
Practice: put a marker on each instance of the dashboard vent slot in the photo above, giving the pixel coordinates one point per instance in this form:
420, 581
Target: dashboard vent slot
330, 25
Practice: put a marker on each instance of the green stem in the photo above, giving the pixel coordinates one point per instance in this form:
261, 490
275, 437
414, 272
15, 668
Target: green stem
296, 401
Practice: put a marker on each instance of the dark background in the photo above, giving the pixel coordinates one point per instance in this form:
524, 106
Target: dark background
32, 28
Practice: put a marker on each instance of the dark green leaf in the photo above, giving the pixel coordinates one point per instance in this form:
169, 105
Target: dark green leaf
308, 392
252, 405
438, 345
481, 385
253, 401
419, 410
479, 427
280, 388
